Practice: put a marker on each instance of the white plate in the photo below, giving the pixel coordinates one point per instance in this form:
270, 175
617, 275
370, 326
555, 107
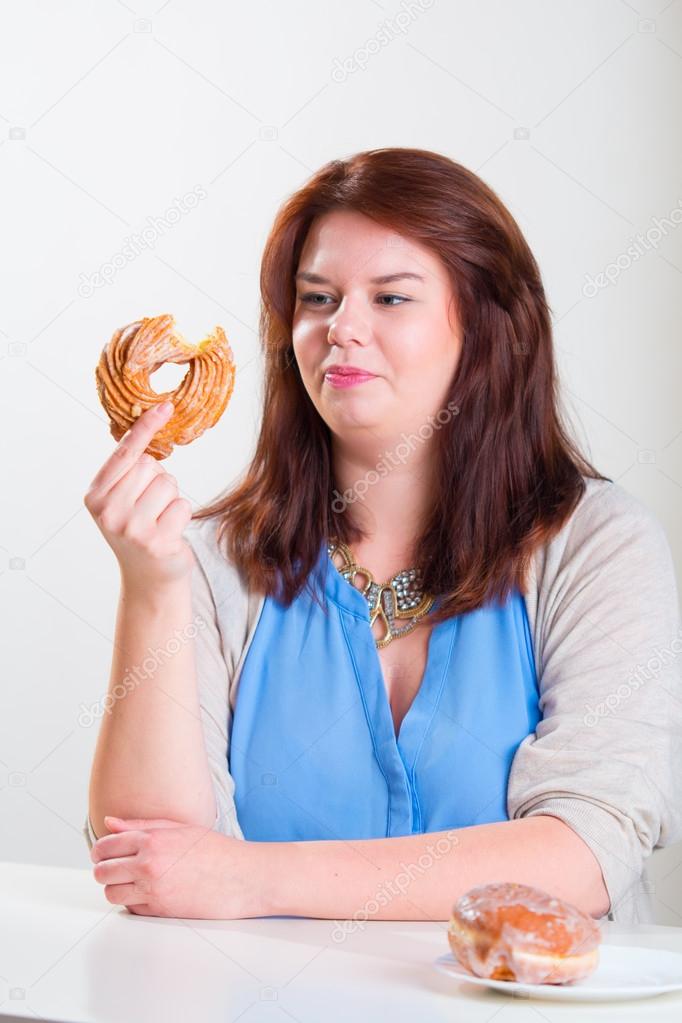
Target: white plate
624, 971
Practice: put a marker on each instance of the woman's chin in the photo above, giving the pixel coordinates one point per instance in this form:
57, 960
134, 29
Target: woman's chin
355, 416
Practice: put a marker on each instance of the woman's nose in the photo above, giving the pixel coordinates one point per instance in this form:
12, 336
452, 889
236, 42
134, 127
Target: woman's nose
347, 324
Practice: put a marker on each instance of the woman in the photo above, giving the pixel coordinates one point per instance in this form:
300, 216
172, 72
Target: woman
421, 618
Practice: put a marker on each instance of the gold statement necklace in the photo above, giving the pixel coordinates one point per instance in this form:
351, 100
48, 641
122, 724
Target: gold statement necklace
400, 602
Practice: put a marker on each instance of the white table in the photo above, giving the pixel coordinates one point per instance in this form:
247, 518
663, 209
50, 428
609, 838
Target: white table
66, 954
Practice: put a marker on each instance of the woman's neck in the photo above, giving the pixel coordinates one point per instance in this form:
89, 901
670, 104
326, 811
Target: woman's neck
391, 510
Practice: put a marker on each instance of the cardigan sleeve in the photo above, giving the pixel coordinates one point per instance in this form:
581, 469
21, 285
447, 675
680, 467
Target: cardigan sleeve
213, 681
606, 756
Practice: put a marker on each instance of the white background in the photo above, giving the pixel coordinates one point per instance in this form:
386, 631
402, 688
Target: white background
110, 112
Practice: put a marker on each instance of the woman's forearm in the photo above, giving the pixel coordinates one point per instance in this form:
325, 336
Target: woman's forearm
419, 877
150, 758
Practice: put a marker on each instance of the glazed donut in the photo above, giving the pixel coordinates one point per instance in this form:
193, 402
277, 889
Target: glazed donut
138, 350
509, 931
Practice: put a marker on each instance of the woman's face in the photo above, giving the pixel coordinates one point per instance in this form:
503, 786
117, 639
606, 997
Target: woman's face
404, 331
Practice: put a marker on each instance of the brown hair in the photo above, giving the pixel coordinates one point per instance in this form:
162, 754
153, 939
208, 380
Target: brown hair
508, 474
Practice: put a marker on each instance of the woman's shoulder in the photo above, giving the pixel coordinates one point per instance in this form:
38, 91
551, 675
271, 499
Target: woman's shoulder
203, 533
611, 545
605, 518
209, 550
604, 501
237, 606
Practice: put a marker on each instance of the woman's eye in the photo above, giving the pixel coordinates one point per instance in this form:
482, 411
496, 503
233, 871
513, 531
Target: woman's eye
311, 296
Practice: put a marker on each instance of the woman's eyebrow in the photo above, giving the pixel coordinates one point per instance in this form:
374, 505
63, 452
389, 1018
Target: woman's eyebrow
312, 278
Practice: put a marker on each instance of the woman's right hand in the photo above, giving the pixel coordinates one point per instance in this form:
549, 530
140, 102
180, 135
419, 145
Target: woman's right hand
135, 504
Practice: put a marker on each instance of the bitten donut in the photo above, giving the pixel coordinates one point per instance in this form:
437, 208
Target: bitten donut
509, 931
138, 350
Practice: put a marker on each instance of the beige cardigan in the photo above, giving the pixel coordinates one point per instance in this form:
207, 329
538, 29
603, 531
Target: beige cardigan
606, 756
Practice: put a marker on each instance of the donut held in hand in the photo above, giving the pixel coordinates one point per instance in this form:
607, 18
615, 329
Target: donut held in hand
138, 350
509, 931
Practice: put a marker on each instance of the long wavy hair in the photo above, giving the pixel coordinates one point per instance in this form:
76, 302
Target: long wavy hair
508, 474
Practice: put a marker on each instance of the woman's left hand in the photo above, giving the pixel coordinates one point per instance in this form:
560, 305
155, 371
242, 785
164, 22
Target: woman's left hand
159, 867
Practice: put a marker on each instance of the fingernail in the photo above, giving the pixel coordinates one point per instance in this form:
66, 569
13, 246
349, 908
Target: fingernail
166, 406
108, 817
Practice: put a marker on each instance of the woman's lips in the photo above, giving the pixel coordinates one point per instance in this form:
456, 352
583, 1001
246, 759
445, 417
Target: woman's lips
347, 379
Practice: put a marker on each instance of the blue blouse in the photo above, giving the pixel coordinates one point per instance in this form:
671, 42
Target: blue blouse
313, 750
